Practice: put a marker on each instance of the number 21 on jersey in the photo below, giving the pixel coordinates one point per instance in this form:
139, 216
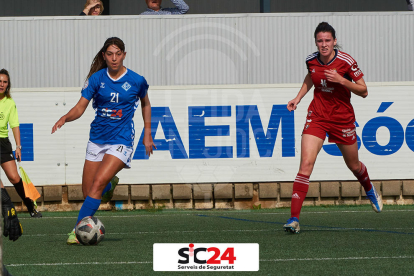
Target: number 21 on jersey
114, 97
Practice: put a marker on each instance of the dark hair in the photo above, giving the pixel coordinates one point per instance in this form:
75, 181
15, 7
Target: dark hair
5, 72
98, 62
324, 27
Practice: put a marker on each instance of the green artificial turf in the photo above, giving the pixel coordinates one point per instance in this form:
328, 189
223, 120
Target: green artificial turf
333, 241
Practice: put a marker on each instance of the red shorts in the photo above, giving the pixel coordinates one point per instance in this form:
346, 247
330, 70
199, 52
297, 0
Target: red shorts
337, 133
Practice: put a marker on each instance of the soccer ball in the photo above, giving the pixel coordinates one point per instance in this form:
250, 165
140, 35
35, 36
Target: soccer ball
90, 231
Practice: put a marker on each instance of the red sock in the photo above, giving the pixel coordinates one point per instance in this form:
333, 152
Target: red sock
363, 178
300, 189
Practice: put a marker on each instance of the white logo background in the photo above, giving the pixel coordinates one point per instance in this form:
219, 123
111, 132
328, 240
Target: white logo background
165, 257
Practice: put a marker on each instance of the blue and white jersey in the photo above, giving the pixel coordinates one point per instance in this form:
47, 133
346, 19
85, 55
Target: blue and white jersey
115, 102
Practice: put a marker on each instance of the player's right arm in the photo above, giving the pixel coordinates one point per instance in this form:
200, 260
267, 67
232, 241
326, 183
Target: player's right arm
73, 114
306, 86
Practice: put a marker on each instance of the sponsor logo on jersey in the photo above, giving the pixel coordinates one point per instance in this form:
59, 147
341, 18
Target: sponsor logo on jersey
126, 86
348, 133
85, 85
325, 87
357, 73
102, 85
1, 116
313, 71
356, 70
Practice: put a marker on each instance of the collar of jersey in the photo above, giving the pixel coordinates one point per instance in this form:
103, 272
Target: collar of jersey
332, 60
4, 99
126, 71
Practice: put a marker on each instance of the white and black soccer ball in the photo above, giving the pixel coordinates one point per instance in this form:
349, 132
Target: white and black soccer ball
90, 231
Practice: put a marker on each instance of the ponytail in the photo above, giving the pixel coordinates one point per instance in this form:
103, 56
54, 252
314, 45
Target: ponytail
98, 62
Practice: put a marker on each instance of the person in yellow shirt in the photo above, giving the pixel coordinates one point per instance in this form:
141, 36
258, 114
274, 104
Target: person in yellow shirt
9, 116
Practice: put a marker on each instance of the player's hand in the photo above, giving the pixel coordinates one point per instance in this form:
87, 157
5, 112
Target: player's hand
333, 76
18, 154
293, 104
90, 6
149, 144
59, 124
12, 226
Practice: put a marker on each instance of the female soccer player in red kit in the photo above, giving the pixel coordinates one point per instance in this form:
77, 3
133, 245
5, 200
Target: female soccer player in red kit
335, 75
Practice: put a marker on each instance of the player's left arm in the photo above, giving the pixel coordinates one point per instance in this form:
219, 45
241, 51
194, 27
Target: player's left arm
16, 134
14, 125
358, 87
146, 116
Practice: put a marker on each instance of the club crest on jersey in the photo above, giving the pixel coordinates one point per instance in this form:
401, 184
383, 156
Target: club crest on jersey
126, 86
85, 85
102, 85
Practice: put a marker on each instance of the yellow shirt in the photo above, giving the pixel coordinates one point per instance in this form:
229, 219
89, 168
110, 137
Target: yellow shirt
8, 114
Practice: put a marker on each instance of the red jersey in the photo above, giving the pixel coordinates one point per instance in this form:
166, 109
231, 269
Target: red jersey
332, 101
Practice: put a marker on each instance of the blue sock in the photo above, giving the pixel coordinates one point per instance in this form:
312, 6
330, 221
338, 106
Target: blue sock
89, 207
107, 188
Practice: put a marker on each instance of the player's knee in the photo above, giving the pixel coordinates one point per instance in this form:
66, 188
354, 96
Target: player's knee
14, 179
99, 184
306, 167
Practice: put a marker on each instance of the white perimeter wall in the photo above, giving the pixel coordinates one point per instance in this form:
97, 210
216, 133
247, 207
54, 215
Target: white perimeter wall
203, 49
58, 158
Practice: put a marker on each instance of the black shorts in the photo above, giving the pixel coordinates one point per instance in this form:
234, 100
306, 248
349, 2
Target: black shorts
6, 151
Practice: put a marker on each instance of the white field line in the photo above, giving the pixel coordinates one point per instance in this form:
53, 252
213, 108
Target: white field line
338, 259
87, 263
221, 214
235, 230
271, 260
158, 232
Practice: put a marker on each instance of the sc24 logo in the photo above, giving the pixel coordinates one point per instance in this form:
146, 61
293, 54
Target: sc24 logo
228, 255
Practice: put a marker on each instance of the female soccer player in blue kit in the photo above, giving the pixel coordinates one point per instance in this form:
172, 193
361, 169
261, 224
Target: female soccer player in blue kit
116, 92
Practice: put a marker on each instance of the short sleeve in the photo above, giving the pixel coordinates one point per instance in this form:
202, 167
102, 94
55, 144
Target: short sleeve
307, 66
90, 87
14, 117
354, 72
143, 91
